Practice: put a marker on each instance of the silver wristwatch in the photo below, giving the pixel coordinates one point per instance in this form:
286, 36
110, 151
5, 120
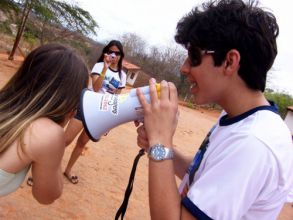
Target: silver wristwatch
159, 152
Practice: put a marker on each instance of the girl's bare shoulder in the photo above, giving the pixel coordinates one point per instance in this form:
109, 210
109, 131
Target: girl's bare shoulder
43, 138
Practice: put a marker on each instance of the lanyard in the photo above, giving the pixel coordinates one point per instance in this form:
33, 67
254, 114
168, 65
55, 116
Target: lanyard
199, 156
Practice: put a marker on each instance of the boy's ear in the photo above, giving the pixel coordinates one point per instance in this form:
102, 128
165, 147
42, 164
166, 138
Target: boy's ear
232, 61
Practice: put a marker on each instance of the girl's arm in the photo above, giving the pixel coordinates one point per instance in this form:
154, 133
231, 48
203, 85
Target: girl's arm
45, 142
97, 80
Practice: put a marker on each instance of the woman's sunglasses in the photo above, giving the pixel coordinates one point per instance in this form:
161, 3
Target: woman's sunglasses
117, 53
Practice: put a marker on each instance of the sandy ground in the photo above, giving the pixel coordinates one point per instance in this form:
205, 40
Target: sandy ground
104, 171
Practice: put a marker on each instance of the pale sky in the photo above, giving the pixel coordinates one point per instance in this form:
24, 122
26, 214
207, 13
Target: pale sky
155, 22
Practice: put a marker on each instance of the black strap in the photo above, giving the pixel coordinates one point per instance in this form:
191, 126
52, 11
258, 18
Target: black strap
121, 211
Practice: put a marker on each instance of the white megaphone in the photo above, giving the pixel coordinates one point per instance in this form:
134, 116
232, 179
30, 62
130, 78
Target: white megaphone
102, 112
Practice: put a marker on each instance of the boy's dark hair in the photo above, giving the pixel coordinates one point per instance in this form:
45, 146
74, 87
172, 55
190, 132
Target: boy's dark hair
231, 24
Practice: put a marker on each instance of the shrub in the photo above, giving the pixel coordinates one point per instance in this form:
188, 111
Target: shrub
281, 100
5, 28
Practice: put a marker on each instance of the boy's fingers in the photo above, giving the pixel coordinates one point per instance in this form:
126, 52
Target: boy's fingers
164, 93
153, 91
141, 98
173, 92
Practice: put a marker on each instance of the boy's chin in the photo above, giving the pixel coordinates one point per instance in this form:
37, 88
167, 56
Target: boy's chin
200, 101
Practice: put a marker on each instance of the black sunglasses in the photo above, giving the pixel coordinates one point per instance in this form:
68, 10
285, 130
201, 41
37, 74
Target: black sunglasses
195, 54
117, 53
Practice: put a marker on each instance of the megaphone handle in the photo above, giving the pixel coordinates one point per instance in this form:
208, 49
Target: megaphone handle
121, 211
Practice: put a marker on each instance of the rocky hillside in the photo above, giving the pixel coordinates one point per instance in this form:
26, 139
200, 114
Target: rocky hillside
86, 46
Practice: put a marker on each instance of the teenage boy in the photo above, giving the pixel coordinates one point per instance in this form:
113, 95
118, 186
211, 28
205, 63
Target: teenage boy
244, 167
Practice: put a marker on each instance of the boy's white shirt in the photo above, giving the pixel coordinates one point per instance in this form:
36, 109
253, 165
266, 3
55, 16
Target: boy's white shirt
246, 172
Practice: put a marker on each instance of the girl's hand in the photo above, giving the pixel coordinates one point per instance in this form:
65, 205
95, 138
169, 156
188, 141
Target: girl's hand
108, 60
160, 115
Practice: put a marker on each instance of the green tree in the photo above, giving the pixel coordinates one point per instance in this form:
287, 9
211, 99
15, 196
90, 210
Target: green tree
7, 5
54, 15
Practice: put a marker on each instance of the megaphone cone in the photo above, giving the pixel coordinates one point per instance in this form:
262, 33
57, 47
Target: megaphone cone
102, 112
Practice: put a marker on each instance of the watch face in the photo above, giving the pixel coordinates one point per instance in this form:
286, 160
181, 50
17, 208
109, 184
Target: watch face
158, 152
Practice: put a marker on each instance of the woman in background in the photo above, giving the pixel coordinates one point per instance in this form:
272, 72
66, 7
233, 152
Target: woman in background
35, 105
107, 77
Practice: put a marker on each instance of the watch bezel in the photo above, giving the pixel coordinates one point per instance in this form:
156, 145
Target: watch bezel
159, 152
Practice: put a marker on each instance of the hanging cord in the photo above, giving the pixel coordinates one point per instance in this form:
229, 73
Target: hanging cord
121, 211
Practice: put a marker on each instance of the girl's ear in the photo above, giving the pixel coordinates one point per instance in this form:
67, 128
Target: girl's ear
72, 113
68, 116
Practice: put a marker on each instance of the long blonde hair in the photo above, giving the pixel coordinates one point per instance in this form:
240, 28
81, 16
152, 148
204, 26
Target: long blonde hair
48, 84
